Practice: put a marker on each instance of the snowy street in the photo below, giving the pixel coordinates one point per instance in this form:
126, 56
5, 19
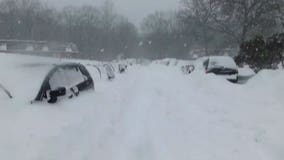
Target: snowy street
151, 113
141, 80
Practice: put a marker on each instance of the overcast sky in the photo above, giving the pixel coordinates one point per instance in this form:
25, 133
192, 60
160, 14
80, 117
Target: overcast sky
135, 10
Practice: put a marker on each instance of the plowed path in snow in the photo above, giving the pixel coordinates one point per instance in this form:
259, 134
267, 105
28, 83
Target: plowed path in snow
150, 113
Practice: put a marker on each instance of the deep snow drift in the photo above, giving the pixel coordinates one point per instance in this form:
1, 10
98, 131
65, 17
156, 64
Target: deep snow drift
152, 112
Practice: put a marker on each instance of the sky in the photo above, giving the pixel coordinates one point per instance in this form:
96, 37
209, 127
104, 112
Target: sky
134, 10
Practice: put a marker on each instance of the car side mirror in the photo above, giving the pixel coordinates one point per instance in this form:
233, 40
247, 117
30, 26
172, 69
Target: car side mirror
54, 94
191, 68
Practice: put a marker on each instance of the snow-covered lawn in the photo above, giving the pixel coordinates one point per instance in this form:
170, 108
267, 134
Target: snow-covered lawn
151, 112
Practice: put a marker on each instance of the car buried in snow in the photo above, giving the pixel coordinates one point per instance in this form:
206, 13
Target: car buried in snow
187, 69
48, 83
65, 80
122, 68
223, 66
109, 71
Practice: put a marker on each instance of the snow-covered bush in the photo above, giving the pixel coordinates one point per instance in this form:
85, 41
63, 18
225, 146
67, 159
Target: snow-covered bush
260, 54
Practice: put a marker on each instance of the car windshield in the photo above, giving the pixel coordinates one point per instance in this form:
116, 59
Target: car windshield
222, 62
141, 79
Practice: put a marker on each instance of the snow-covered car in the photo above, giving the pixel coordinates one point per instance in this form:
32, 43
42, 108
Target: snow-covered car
44, 81
122, 68
65, 80
223, 66
187, 69
109, 71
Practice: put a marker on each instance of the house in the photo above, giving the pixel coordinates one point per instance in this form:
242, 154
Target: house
42, 48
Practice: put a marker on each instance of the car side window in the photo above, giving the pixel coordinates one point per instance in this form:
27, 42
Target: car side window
58, 79
74, 76
66, 77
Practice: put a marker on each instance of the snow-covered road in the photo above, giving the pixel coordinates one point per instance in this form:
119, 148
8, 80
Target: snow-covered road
150, 113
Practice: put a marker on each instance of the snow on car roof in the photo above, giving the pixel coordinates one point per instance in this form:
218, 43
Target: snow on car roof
224, 61
23, 75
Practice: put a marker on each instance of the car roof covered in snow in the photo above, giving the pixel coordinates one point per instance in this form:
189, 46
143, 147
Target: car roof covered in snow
224, 61
24, 75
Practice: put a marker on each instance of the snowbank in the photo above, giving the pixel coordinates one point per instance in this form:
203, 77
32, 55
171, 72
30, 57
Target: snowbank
268, 82
150, 112
246, 72
268, 77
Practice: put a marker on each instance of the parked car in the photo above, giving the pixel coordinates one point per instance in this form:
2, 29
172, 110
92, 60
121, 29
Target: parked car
187, 69
65, 80
223, 66
44, 81
122, 68
109, 71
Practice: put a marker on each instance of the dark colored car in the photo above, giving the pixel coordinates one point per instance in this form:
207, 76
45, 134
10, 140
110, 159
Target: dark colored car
222, 66
65, 80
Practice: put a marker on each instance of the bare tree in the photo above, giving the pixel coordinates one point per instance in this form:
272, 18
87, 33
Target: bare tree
162, 35
197, 15
243, 18
24, 19
239, 19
